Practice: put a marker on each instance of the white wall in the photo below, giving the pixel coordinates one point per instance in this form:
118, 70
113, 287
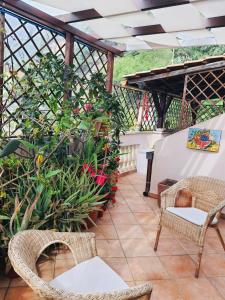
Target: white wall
172, 159
145, 139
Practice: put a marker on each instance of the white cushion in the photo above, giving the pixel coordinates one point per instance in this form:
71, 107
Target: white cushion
191, 214
90, 276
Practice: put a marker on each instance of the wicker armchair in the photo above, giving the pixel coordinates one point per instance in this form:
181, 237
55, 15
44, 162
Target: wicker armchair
208, 196
25, 248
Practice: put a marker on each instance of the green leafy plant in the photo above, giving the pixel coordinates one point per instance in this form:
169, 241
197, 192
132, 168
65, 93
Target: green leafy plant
60, 170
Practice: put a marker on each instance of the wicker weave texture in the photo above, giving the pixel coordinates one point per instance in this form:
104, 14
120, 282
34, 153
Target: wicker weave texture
26, 246
208, 194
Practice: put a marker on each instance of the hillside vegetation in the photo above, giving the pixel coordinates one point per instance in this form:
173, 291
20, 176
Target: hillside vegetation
138, 61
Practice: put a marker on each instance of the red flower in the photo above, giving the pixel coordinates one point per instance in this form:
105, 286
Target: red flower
88, 106
117, 158
101, 110
101, 179
114, 188
89, 169
85, 167
92, 173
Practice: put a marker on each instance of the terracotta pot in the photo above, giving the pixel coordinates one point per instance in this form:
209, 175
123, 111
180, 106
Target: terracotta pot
93, 215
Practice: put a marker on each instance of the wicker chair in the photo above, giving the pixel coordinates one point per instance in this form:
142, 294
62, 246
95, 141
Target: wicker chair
25, 248
208, 197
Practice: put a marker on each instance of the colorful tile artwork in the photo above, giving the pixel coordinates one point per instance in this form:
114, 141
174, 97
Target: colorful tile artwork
204, 139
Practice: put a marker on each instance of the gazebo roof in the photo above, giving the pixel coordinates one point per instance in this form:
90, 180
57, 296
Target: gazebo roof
142, 24
170, 79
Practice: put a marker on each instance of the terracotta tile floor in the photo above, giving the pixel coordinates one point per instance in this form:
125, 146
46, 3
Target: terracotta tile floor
125, 237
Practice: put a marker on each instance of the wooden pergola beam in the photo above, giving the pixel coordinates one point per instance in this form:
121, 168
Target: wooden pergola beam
39, 16
78, 16
155, 4
215, 22
144, 30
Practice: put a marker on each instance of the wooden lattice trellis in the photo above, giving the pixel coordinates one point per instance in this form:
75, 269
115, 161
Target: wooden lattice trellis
23, 41
172, 117
132, 101
203, 97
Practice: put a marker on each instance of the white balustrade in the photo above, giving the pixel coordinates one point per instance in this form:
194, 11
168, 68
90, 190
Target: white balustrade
128, 158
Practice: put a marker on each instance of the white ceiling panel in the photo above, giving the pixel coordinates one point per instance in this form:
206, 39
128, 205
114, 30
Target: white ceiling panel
196, 38
69, 5
219, 34
135, 19
177, 18
113, 7
164, 39
184, 25
132, 43
103, 28
211, 8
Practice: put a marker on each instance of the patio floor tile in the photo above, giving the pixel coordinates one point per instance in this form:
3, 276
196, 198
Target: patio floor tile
213, 245
105, 219
169, 246
63, 265
178, 266
119, 207
219, 284
148, 218
125, 238
2, 293
64, 254
189, 246
21, 293
104, 232
213, 264
46, 269
125, 188
17, 282
165, 289
120, 266
137, 247
123, 218
139, 207
129, 231
129, 193
197, 289
147, 268
109, 248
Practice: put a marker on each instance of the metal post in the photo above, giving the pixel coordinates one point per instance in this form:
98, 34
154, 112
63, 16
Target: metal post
149, 157
110, 65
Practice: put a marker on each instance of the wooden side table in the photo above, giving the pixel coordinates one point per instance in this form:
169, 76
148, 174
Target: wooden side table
164, 185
